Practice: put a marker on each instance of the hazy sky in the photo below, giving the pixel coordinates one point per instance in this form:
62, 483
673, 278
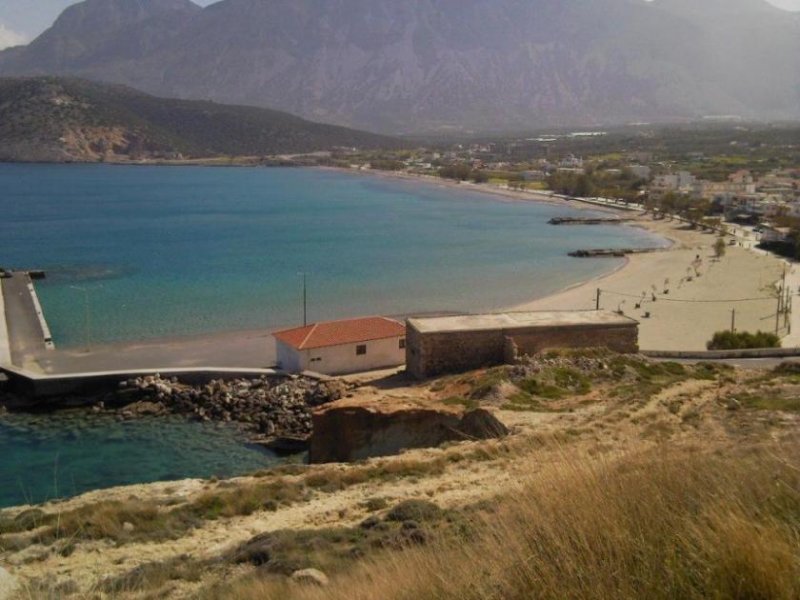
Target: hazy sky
23, 20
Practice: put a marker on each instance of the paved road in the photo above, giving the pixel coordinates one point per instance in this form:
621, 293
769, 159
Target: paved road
25, 333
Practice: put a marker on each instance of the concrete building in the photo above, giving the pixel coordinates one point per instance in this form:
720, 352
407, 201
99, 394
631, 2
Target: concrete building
341, 347
455, 344
640, 171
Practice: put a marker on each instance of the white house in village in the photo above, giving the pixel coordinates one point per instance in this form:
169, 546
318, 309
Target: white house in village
341, 347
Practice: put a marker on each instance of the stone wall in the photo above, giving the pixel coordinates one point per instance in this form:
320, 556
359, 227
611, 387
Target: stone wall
429, 354
437, 353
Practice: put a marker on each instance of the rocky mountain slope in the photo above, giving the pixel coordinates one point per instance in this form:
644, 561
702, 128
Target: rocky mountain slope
421, 65
57, 119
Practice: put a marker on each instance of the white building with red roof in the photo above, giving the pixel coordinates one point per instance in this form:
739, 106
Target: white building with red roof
341, 347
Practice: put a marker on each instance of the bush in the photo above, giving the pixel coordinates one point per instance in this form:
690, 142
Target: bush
728, 340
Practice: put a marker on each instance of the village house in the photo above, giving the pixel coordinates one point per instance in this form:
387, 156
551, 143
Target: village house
341, 347
739, 183
680, 182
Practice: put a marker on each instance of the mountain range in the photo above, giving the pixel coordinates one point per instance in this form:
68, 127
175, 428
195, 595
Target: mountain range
402, 66
50, 119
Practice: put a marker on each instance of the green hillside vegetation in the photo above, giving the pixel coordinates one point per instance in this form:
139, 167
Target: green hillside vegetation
59, 119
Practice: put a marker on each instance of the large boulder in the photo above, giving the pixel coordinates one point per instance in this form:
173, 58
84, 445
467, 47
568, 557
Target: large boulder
351, 430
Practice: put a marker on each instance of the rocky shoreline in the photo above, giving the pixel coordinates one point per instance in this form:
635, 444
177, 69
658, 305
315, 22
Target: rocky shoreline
273, 411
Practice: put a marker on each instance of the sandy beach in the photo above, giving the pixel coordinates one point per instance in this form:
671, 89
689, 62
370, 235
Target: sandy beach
685, 318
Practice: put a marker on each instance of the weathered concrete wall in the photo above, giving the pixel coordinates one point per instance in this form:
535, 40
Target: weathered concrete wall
623, 339
429, 354
437, 353
344, 432
41, 386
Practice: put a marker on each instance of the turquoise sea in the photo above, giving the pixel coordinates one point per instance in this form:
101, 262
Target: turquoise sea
47, 456
166, 251
169, 251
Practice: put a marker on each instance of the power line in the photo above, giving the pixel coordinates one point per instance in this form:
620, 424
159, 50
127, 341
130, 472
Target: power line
664, 299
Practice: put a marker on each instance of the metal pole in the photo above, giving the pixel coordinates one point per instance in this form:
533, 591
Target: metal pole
597, 300
733, 321
88, 321
305, 302
778, 312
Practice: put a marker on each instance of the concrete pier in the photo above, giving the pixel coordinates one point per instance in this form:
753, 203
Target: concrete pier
5, 341
27, 332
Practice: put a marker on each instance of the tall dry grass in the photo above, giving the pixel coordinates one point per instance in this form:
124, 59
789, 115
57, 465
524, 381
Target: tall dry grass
676, 524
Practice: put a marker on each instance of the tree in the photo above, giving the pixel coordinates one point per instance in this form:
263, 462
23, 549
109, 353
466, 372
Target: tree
584, 188
719, 247
480, 176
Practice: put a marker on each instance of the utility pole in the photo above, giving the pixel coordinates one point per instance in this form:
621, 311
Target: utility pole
305, 300
733, 321
597, 300
778, 311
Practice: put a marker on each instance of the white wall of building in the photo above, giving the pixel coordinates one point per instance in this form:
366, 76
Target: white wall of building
289, 359
340, 360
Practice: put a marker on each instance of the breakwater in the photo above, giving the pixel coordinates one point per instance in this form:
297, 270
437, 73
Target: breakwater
588, 221
610, 252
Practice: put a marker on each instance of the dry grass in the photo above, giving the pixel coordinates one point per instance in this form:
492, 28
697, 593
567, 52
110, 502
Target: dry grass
680, 525
152, 521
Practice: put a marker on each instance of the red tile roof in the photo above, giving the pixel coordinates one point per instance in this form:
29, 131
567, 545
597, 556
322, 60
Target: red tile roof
337, 333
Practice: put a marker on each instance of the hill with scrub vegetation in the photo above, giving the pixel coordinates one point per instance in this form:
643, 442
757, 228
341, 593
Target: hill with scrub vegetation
621, 478
48, 119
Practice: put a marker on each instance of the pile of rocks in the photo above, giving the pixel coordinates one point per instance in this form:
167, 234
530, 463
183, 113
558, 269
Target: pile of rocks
271, 407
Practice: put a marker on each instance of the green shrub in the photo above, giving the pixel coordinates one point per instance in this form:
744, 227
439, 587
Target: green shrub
728, 340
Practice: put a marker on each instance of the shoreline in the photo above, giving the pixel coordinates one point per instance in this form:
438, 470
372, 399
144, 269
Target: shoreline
255, 347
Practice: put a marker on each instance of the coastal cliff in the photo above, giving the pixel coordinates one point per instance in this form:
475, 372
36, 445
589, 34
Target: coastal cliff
346, 431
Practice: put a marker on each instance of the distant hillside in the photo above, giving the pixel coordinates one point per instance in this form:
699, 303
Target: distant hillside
57, 119
439, 65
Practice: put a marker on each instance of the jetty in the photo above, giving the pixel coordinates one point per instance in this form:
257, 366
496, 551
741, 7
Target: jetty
611, 252
26, 332
588, 220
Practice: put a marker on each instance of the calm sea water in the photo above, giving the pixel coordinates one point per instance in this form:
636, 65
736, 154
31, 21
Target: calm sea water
160, 252
171, 251
63, 454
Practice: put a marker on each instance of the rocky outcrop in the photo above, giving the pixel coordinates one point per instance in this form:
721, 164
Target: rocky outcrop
353, 430
269, 408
